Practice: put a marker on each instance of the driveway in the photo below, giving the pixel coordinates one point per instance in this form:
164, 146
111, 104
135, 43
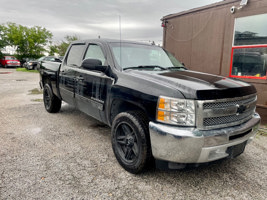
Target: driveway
68, 155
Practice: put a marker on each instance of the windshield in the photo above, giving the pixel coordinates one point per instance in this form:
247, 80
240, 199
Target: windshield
128, 55
40, 59
10, 58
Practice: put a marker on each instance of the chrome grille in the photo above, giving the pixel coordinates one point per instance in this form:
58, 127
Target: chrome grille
226, 119
222, 113
228, 103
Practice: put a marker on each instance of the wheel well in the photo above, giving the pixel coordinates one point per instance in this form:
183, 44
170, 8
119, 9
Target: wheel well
119, 106
46, 80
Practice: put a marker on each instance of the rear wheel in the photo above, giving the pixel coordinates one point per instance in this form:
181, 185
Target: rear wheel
51, 102
130, 142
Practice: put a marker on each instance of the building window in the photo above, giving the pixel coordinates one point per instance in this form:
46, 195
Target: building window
249, 50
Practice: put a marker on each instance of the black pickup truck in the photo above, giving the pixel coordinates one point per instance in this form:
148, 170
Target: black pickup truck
156, 108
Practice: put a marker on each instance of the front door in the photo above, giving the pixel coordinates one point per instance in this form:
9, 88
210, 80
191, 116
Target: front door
92, 85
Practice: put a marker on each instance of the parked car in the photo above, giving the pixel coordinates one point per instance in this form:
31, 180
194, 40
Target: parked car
24, 61
157, 109
9, 61
33, 64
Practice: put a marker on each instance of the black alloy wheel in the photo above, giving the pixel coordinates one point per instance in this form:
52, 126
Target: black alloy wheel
47, 98
130, 142
51, 102
127, 142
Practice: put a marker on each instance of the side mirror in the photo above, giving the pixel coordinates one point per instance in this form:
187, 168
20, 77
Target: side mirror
93, 64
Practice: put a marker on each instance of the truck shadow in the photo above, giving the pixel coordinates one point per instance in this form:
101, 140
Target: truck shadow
222, 173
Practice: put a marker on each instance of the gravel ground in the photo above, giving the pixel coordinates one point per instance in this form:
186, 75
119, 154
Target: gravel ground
68, 155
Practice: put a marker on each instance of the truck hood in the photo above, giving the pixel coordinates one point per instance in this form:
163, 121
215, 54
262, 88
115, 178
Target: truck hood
197, 85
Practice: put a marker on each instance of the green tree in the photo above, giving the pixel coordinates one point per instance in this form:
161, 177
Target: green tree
63, 46
27, 41
3, 39
53, 49
38, 37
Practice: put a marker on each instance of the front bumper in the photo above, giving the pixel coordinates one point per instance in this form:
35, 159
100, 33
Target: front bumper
190, 145
13, 64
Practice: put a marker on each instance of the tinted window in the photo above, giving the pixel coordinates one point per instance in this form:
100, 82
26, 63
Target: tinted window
94, 51
75, 55
251, 30
42, 58
50, 58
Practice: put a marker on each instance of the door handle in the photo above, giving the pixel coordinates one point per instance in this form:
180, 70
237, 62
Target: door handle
80, 78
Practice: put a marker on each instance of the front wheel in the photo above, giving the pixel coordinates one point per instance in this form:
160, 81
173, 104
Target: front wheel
51, 102
130, 142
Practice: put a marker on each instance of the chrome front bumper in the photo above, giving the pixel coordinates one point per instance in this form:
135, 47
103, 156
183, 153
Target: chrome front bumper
190, 145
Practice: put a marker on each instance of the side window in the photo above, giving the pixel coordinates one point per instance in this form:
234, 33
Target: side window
75, 55
94, 51
52, 59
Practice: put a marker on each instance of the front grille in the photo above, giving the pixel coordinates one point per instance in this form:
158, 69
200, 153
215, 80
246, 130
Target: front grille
228, 103
226, 119
222, 113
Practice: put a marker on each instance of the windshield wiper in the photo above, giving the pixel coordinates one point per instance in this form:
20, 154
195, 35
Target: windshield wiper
145, 67
181, 67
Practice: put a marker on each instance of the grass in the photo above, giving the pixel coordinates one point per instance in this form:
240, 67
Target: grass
25, 70
35, 91
263, 131
37, 100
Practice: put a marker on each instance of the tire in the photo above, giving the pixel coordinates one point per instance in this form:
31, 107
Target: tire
51, 102
130, 142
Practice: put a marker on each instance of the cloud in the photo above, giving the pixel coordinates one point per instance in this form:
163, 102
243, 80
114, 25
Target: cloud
140, 19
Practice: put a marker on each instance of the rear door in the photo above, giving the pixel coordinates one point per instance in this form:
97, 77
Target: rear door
67, 73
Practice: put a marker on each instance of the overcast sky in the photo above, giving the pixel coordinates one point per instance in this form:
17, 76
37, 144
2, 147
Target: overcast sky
140, 19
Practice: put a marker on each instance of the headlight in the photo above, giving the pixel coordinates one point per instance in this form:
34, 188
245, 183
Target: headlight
176, 111
29, 63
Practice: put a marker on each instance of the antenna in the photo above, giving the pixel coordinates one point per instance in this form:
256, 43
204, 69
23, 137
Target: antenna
120, 26
120, 37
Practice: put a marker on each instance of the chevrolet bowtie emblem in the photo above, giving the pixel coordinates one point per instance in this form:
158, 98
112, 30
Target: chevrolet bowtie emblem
240, 109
